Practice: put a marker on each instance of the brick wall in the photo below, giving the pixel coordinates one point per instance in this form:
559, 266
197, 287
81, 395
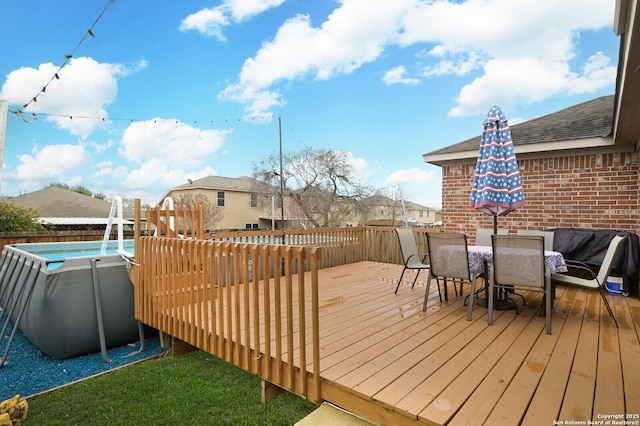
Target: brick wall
597, 191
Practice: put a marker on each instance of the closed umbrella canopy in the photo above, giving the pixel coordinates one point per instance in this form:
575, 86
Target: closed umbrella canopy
497, 187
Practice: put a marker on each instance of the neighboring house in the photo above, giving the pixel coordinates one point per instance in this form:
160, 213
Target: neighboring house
579, 166
236, 201
419, 215
65, 209
385, 211
240, 206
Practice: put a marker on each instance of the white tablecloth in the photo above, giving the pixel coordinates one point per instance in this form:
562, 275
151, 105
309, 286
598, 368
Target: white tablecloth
480, 254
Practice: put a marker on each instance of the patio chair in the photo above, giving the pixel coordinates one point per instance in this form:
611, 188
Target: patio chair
548, 237
594, 280
410, 256
518, 262
483, 236
449, 258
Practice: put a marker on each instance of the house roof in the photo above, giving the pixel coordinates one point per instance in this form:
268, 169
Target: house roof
241, 184
55, 202
591, 119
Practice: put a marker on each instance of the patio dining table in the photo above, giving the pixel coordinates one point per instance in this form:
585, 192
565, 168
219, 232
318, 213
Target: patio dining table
481, 257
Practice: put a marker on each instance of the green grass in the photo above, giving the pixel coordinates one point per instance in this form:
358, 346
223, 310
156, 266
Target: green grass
193, 389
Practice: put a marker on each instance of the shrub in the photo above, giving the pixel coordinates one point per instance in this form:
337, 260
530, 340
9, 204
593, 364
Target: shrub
14, 218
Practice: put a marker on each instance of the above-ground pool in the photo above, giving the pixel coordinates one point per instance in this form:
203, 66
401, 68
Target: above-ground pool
48, 290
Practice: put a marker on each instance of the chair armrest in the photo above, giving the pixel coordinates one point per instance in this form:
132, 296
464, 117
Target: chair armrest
580, 269
423, 256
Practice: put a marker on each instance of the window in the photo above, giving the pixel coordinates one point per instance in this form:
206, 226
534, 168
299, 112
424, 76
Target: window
421, 214
220, 198
254, 199
251, 226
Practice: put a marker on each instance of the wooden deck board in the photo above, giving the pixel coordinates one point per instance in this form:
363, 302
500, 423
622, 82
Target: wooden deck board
547, 400
387, 361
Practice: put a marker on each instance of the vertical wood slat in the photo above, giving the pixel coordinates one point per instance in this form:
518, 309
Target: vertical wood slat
255, 367
278, 323
289, 299
302, 322
315, 320
266, 262
247, 309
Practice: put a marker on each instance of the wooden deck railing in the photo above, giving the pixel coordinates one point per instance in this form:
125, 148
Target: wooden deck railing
340, 245
243, 298
236, 301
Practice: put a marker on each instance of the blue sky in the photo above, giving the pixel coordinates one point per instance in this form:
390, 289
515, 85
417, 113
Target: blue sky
166, 91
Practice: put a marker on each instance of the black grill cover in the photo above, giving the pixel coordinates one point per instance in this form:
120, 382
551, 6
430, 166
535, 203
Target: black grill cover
590, 245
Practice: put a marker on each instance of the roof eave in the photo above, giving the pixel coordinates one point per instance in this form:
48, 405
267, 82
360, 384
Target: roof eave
546, 147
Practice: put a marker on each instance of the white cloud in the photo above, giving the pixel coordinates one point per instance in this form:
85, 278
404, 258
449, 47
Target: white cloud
198, 174
360, 167
419, 185
169, 142
101, 147
168, 153
210, 22
84, 89
596, 74
50, 164
245, 9
106, 169
354, 34
520, 55
413, 176
152, 173
397, 75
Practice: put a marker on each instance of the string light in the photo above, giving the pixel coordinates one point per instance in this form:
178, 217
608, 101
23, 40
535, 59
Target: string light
68, 57
34, 116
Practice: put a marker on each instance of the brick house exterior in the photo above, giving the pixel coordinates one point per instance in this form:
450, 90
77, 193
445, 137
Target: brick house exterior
573, 175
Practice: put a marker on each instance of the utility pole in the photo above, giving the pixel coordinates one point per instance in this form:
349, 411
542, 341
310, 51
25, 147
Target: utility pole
281, 175
4, 111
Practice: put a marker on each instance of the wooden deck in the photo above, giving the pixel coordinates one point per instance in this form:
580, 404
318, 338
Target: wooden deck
338, 332
384, 359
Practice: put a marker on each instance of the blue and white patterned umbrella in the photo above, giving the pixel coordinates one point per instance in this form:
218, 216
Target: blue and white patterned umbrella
497, 188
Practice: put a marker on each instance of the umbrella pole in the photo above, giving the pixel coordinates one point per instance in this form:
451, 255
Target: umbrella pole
495, 224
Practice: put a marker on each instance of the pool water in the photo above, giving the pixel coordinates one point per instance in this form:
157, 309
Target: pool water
60, 251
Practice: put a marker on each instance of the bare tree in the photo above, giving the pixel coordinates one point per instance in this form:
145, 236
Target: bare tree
317, 182
364, 203
213, 214
391, 205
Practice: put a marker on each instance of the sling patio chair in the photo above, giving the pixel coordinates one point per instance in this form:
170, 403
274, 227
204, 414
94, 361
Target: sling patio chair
449, 259
410, 256
483, 236
548, 237
595, 281
518, 261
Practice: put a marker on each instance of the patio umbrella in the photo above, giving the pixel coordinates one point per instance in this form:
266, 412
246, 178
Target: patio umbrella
497, 188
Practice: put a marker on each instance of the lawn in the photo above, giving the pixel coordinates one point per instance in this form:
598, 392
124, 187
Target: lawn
192, 389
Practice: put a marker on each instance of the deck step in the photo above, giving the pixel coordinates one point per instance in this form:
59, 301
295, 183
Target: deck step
329, 414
